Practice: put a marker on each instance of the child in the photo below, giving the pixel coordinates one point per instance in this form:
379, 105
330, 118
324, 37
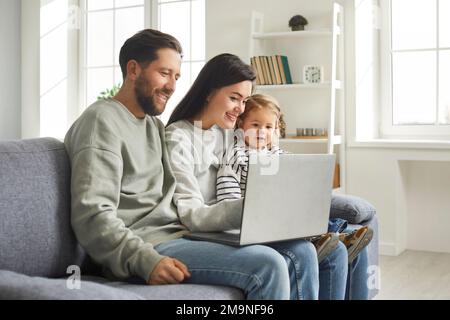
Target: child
257, 132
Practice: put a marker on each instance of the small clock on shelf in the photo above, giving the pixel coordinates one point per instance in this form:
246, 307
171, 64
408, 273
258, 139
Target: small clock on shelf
313, 74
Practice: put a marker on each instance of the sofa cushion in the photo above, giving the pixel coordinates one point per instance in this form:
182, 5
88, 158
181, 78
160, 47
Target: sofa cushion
181, 292
18, 286
351, 208
36, 237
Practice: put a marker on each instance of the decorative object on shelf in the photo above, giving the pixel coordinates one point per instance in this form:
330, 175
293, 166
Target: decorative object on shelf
311, 132
313, 74
282, 126
322, 132
109, 93
297, 23
300, 132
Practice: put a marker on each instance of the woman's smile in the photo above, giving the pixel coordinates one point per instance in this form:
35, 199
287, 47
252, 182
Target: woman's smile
231, 116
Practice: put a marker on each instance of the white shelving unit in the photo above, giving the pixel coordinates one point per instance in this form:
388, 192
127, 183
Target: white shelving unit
318, 40
303, 34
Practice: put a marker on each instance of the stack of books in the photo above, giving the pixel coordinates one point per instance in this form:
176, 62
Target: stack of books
271, 70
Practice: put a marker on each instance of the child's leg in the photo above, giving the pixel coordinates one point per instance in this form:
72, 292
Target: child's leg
356, 241
325, 244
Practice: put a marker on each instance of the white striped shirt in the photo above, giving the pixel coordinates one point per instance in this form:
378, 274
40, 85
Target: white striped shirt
232, 173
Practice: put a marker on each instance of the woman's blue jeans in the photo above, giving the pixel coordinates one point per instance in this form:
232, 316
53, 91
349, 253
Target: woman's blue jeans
284, 270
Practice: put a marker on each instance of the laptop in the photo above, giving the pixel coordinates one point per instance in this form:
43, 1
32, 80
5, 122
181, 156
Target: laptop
287, 196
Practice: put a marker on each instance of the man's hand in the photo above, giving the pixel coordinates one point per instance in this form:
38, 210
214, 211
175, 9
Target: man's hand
169, 271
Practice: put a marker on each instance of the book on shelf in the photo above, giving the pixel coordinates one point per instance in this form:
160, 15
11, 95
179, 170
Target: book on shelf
262, 76
281, 69
253, 64
266, 70
276, 70
271, 70
287, 71
257, 67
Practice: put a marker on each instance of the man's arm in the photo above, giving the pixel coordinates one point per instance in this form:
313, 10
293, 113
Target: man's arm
95, 188
169, 271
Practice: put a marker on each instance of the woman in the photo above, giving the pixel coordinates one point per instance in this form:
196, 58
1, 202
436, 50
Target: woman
196, 135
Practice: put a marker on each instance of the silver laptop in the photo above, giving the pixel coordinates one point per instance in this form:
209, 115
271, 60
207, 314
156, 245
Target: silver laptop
287, 197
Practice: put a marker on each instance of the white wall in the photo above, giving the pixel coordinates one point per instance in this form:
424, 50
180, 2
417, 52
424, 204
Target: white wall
428, 205
228, 22
30, 68
410, 187
408, 184
366, 37
10, 66
230, 32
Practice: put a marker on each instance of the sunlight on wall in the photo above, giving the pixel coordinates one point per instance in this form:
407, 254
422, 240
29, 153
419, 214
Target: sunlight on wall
53, 66
185, 20
366, 65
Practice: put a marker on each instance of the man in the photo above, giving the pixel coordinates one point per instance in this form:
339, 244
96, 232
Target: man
120, 168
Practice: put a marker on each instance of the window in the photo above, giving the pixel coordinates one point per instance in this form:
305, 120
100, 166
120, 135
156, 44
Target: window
185, 20
79, 46
416, 66
108, 23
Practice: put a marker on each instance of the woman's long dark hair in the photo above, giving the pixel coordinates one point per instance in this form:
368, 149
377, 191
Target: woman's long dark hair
221, 71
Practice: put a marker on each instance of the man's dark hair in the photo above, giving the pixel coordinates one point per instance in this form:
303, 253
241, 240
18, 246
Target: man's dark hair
221, 71
143, 46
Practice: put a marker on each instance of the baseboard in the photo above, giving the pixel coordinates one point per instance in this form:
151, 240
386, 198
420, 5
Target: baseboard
389, 249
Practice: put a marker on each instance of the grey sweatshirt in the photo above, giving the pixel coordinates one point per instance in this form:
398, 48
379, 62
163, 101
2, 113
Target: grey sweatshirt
122, 188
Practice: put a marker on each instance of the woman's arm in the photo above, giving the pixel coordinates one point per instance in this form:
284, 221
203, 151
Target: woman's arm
188, 198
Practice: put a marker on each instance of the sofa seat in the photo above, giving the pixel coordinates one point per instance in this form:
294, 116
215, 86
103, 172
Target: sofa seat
37, 243
21, 287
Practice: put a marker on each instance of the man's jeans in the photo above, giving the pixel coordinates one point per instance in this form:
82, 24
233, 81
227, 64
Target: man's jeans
284, 270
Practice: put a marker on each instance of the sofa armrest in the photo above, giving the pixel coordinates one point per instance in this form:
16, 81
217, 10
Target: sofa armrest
351, 208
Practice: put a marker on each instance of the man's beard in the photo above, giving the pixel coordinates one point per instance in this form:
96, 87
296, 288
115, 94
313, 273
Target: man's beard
145, 100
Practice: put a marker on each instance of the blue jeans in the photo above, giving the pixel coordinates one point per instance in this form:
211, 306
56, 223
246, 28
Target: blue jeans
337, 225
357, 280
357, 288
284, 270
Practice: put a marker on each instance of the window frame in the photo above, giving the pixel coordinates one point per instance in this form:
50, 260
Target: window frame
151, 20
77, 58
82, 49
387, 127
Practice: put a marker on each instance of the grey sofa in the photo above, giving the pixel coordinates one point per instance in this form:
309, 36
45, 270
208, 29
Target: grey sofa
38, 247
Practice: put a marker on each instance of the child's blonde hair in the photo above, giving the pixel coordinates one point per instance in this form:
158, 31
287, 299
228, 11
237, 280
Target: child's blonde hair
262, 101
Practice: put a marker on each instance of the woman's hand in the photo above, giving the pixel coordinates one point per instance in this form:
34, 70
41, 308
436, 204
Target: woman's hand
169, 271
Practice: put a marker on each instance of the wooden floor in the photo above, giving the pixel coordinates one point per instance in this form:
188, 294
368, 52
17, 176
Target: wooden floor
415, 275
